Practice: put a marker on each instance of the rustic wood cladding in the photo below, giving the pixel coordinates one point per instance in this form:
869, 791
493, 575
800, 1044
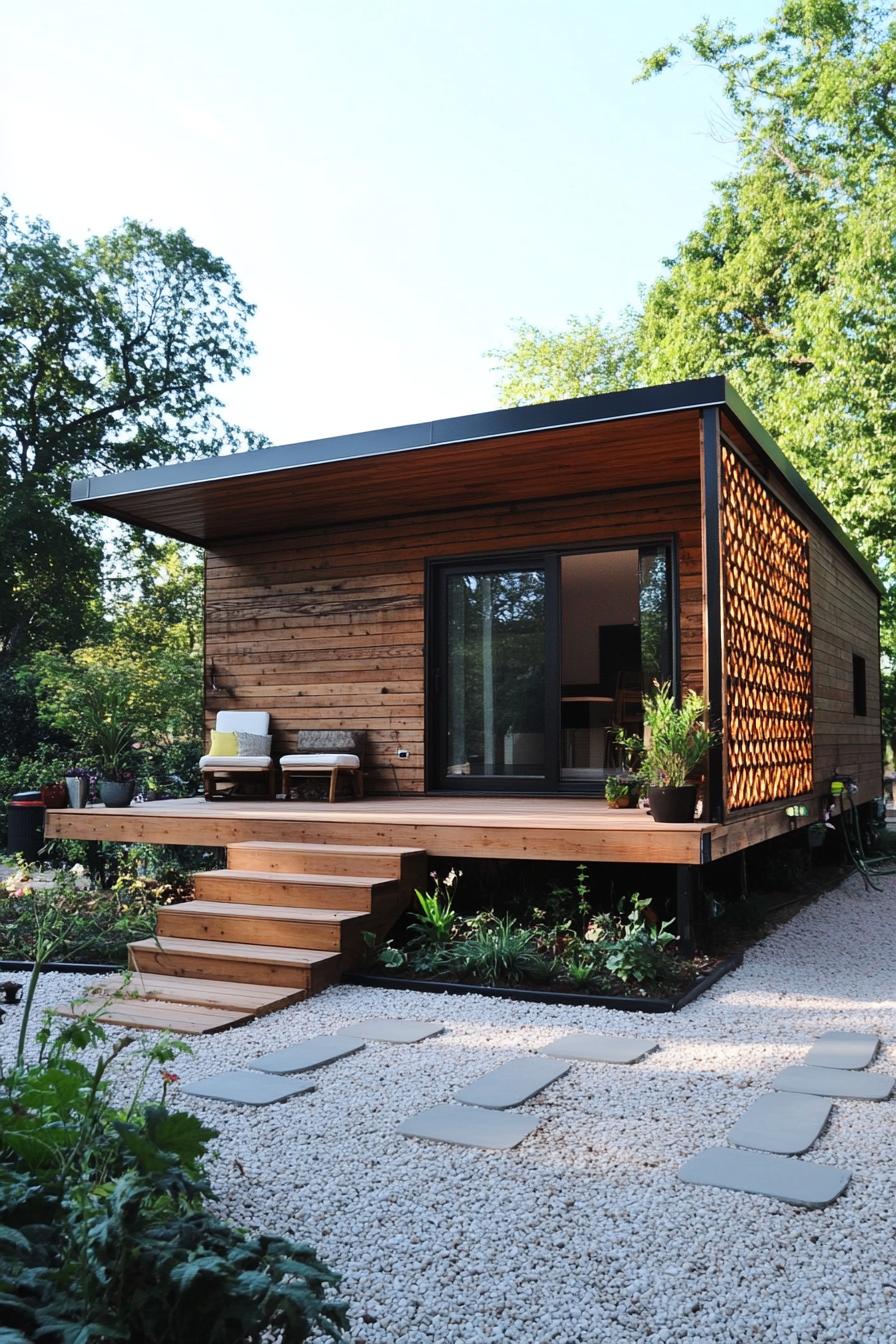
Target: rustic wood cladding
323, 627
767, 642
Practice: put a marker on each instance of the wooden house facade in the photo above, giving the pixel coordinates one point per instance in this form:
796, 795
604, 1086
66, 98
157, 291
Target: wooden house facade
482, 596
485, 598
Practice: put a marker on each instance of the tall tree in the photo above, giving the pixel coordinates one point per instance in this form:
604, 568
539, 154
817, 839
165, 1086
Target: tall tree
109, 356
589, 356
789, 284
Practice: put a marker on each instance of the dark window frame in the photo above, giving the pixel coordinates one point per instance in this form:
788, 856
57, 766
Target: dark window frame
547, 556
859, 686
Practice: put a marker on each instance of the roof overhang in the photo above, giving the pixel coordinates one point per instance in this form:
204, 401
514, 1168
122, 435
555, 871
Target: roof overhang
433, 464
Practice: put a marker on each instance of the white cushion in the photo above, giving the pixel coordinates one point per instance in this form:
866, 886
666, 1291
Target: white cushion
243, 721
330, 758
221, 762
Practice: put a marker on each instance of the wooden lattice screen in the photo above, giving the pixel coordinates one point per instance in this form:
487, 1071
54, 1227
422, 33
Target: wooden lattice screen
767, 642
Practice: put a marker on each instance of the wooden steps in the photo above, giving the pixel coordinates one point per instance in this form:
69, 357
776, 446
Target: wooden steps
280, 922
279, 925
323, 890
257, 999
272, 856
285, 967
172, 1003
153, 1015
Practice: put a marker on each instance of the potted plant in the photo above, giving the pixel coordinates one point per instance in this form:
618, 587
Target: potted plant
675, 742
54, 795
108, 736
621, 792
77, 783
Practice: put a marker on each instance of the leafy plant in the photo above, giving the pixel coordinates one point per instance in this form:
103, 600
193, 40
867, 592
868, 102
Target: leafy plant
106, 732
675, 738
436, 920
78, 920
105, 1233
579, 973
499, 950
638, 953
618, 788
386, 954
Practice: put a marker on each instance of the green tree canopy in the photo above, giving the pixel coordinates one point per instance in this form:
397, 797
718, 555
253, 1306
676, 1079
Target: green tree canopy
109, 356
590, 356
789, 283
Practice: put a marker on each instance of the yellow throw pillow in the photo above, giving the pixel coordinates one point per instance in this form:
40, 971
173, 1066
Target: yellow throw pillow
223, 744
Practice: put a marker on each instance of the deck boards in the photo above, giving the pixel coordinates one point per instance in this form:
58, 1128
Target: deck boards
563, 828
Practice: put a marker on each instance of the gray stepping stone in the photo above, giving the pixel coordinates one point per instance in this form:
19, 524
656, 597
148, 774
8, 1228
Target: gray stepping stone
307, 1054
392, 1029
784, 1178
600, 1049
843, 1050
469, 1126
782, 1122
511, 1083
246, 1088
834, 1083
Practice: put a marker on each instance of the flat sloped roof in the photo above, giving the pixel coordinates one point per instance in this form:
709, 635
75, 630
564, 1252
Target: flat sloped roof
216, 498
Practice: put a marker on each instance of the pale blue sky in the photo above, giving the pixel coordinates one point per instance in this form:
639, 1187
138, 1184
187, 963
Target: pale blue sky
393, 181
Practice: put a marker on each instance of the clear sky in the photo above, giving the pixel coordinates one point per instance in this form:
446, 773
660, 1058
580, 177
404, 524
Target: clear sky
393, 181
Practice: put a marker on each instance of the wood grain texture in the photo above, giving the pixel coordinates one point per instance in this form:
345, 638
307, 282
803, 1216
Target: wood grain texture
562, 460
845, 618
570, 829
325, 627
767, 660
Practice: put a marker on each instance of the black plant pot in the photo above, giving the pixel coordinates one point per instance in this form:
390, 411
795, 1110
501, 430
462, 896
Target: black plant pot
115, 793
673, 804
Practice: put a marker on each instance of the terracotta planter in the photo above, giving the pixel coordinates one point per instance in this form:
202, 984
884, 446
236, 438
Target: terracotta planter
673, 804
620, 802
114, 793
54, 795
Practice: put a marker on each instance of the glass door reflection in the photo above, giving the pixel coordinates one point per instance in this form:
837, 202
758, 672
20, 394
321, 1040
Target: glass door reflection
495, 692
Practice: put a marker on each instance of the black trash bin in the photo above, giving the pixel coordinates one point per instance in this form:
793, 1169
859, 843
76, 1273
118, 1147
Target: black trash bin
25, 825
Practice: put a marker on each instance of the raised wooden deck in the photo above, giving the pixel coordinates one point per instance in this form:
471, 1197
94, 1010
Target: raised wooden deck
508, 828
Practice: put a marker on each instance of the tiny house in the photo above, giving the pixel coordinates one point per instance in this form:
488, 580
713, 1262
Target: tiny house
487, 597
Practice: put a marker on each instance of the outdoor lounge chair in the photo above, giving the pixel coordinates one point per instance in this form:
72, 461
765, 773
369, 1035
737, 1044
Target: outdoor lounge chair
230, 771
333, 752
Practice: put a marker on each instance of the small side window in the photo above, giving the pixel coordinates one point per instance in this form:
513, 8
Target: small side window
859, 690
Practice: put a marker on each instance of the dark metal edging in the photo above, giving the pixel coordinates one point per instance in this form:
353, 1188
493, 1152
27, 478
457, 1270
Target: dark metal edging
689, 394
621, 1002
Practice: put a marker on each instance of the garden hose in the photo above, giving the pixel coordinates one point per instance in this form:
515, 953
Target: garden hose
851, 830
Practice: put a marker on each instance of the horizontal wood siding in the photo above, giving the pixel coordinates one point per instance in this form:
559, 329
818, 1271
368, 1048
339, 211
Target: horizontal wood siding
324, 627
844, 622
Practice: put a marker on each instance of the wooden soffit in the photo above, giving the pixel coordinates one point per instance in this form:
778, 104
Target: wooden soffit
499, 457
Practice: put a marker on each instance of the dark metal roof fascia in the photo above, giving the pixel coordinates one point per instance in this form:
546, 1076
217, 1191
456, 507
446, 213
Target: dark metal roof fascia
745, 417
690, 395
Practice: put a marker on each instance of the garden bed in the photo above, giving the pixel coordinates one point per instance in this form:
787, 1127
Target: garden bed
631, 1002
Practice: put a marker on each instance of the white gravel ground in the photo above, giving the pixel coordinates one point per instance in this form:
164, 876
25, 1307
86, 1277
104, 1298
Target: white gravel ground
582, 1235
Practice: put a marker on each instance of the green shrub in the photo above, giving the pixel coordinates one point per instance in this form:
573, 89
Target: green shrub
638, 952
499, 951
104, 1229
90, 923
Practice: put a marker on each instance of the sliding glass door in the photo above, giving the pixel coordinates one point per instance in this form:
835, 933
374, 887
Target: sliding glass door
536, 659
492, 676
